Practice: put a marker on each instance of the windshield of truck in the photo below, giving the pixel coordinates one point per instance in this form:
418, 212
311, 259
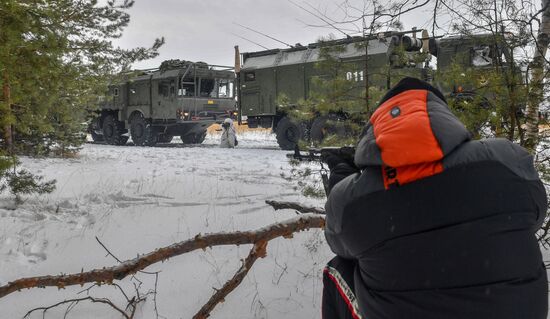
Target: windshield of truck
225, 88
187, 87
207, 88
481, 56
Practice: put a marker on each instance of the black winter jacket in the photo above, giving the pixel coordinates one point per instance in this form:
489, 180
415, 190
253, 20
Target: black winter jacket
441, 227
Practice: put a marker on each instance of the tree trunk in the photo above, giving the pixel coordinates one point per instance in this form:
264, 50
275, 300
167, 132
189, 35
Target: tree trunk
7, 112
366, 70
537, 80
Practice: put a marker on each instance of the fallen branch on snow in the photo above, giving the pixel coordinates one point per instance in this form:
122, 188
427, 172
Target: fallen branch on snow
296, 206
258, 251
132, 303
73, 302
258, 237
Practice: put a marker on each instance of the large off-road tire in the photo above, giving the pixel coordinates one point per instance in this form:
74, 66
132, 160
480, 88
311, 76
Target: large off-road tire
326, 125
92, 127
113, 130
142, 132
193, 138
164, 138
288, 134
96, 137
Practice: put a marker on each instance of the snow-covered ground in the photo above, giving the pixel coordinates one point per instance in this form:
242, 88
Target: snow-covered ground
136, 199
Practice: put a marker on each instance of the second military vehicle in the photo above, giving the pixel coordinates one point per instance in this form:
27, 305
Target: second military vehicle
180, 98
266, 75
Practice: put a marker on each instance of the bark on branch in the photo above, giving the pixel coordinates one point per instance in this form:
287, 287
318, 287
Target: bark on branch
258, 251
129, 267
296, 206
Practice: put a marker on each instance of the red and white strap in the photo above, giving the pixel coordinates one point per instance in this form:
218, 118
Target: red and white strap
345, 291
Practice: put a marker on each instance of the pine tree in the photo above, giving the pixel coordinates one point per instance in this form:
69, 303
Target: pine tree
489, 100
56, 57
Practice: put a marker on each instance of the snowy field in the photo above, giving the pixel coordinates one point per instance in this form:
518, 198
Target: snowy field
136, 199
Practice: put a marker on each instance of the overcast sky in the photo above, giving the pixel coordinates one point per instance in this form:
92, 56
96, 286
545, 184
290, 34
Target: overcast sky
200, 30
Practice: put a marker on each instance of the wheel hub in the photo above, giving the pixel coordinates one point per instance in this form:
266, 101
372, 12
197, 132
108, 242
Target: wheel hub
109, 130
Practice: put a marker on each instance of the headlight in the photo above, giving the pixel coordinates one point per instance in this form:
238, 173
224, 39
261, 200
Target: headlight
483, 81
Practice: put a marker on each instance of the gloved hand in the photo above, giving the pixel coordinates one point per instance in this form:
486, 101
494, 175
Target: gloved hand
341, 165
335, 156
333, 160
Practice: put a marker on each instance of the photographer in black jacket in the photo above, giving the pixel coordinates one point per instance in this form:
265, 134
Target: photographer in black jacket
428, 224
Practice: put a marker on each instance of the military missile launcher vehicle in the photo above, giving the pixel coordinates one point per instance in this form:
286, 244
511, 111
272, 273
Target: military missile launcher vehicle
180, 98
265, 75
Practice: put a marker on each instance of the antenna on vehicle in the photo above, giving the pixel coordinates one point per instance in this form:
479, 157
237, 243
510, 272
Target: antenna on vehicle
265, 35
321, 18
250, 41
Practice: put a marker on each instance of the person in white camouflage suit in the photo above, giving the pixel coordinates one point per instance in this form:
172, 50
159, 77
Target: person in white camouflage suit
229, 135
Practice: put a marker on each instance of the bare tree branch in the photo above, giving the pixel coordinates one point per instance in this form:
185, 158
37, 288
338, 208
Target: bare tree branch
74, 301
129, 267
258, 251
319, 17
109, 253
296, 206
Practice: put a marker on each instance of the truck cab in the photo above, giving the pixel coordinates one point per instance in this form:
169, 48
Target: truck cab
180, 98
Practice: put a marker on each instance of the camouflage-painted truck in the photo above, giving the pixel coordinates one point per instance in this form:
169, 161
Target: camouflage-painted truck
180, 98
478, 52
266, 75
